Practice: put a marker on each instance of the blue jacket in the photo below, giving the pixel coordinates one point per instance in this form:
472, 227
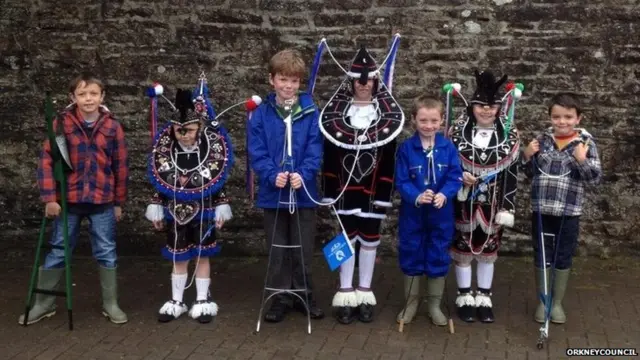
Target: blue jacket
266, 137
426, 233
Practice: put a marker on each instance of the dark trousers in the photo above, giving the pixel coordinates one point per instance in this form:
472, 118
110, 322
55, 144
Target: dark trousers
286, 268
566, 239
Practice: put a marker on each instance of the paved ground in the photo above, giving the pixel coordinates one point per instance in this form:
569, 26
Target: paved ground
603, 311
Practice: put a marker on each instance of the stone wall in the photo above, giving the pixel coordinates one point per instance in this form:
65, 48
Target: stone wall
548, 45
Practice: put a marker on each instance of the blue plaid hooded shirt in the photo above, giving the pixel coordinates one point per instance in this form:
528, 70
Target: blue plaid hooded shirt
558, 180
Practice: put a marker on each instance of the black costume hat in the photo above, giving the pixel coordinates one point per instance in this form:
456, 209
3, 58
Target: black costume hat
363, 66
186, 111
487, 88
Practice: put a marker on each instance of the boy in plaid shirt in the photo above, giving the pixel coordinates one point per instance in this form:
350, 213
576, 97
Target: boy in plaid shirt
560, 162
96, 189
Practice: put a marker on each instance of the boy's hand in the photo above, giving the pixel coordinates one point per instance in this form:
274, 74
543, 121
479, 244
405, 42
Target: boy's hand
296, 180
219, 224
580, 152
52, 209
118, 212
532, 149
426, 197
439, 200
158, 225
468, 179
281, 179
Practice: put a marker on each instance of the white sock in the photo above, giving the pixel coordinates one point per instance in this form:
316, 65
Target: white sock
365, 268
202, 288
463, 276
346, 273
485, 275
178, 282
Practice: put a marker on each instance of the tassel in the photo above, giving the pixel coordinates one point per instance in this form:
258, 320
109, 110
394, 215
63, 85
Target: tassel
249, 173
390, 64
316, 65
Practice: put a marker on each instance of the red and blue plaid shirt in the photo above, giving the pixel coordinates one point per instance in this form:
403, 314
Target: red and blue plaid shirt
98, 156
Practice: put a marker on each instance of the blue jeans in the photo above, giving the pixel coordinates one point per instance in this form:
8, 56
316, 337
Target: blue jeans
567, 233
102, 231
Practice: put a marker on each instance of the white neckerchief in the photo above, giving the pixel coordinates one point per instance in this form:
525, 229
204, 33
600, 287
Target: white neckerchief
362, 116
482, 137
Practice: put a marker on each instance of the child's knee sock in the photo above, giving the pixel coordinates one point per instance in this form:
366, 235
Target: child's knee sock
178, 282
202, 288
463, 278
485, 276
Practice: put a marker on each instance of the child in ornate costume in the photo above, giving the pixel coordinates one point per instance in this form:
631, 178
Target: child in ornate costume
561, 162
96, 152
488, 146
287, 206
360, 123
428, 176
188, 167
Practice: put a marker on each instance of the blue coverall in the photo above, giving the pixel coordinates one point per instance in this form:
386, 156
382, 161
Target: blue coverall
425, 232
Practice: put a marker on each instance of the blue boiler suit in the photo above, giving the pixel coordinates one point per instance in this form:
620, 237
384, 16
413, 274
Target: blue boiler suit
426, 233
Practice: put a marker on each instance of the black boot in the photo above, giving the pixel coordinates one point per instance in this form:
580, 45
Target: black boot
484, 306
365, 313
465, 304
315, 312
346, 314
279, 308
367, 300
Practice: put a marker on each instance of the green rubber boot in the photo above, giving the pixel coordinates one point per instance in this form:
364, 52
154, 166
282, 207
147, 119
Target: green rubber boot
559, 288
44, 305
110, 307
539, 315
412, 299
435, 289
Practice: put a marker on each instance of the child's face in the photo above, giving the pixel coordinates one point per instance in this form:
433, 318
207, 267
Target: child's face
564, 120
485, 114
88, 97
363, 92
286, 87
186, 135
428, 121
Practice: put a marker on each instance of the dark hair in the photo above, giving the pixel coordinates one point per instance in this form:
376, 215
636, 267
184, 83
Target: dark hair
86, 77
566, 100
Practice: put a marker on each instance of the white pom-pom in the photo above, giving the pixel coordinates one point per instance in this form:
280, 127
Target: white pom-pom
223, 212
158, 89
154, 212
456, 86
517, 93
256, 99
505, 218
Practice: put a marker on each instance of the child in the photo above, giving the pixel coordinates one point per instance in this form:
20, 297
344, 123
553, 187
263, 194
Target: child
488, 146
361, 119
96, 189
189, 166
560, 162
276, 176
428, 177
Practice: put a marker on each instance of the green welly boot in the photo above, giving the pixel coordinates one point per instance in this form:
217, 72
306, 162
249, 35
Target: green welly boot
435, 289
559, 287
44, 305
412, 299
110, 307
539, 315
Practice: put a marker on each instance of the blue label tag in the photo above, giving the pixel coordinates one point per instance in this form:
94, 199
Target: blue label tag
337, 251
